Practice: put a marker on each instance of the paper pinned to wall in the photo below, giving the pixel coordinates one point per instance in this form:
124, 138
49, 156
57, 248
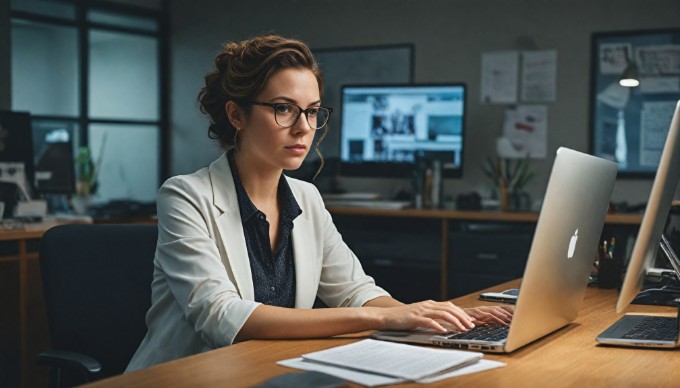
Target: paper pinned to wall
525, 132
654, 119
539, 70
499, 77
614, 57
653, 85
660, 59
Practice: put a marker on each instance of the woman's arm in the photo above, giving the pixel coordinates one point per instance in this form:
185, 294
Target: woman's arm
269, 322
382, 313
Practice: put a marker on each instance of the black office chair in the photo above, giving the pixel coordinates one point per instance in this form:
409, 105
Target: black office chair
97, 287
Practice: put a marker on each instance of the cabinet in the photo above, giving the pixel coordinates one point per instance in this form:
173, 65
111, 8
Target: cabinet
402, 255
441, 254
485, 253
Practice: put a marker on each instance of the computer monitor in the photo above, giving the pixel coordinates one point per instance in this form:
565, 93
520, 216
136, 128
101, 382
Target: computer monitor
386, 128
16, 150
654, 219
54, 159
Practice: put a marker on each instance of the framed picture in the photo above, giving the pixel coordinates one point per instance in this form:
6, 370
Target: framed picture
629, 124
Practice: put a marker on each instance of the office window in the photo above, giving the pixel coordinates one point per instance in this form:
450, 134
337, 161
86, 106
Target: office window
96, 68
44, 68
59, 9
123, 72
127, 21
129, 160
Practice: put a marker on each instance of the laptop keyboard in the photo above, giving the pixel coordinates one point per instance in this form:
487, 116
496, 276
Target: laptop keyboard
654, 328
491, 332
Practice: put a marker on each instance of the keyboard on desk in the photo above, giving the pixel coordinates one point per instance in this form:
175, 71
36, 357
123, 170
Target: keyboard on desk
368, 204
490, 332
654, 328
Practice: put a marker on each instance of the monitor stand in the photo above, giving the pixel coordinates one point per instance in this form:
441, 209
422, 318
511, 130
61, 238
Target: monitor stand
669, 293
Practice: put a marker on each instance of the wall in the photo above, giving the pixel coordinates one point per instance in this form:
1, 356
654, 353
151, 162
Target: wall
449, 37
5, 63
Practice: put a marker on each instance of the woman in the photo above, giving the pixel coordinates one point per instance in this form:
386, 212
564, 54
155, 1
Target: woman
243, 251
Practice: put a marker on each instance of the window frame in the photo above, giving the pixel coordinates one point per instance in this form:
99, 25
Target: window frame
83, 26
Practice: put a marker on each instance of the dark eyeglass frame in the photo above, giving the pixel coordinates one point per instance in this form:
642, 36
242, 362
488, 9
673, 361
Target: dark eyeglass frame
274, 105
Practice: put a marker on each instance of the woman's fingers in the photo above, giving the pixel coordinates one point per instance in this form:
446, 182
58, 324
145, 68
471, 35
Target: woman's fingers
444, 316
429, 314
491, 314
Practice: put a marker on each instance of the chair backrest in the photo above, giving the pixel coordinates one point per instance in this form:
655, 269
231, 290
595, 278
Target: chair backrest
97, 287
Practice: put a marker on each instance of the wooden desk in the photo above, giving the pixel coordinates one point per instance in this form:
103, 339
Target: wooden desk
566, 358
23, 328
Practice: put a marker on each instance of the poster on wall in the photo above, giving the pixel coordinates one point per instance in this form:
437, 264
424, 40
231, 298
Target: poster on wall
629, 124
525, 133
499, 77
539, 69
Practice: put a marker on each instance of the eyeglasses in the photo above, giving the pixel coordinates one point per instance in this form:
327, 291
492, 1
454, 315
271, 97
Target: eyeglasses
288, 114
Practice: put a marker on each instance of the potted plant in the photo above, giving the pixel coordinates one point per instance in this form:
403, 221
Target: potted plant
87, 173
509, 177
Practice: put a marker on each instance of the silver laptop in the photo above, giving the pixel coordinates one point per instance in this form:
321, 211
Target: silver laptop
647, 330
559, 263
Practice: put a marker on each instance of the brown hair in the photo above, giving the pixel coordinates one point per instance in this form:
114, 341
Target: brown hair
242, 71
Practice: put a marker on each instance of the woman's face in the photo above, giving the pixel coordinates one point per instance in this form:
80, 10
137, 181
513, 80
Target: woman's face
267, 145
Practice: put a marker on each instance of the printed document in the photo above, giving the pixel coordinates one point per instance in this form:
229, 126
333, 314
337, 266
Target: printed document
373, 380
393, 359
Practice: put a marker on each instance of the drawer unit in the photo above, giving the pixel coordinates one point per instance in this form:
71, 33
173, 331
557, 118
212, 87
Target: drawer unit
402, 255
482, 254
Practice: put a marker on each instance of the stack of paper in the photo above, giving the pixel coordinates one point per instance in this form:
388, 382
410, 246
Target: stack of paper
371, 363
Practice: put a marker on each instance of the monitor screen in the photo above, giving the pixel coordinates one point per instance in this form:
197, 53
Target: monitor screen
16, 139
385, 128
54, 159
656, 213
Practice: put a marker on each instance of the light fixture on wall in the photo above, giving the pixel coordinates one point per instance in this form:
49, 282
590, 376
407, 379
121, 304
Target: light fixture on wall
630, 77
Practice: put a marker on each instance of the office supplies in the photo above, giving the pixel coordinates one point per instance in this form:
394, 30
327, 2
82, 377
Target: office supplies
15, 172
507, 296
561, 254
8, 195
650, 238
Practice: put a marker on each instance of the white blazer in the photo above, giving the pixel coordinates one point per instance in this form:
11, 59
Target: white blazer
202, 288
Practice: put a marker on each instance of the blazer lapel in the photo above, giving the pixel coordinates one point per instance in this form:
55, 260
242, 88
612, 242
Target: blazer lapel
306, 271
230, 226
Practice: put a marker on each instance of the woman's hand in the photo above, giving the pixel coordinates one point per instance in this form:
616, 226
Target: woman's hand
491, 314
428, 314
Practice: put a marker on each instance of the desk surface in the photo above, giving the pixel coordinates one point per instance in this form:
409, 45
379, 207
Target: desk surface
568, 357
15, 230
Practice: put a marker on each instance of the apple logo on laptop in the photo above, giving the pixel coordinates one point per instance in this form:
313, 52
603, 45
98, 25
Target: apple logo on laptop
572, 245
